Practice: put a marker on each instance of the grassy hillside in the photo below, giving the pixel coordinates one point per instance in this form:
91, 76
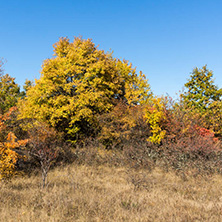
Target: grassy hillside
102, 193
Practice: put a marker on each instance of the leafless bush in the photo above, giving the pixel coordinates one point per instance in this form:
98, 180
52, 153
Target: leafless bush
43, 146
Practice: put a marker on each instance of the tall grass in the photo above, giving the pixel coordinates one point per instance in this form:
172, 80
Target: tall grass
105, 193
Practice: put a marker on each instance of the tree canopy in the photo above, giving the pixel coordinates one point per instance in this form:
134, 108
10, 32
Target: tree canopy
79, 83
201, 90
9, 92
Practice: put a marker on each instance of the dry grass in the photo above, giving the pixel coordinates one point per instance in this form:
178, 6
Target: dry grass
89, 193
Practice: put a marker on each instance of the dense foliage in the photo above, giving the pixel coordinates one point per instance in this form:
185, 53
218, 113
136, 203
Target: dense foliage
8, 154
204, 97
201, 90
86, 96
78, 83
9, 93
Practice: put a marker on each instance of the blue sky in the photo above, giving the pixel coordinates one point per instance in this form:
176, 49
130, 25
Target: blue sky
165, 39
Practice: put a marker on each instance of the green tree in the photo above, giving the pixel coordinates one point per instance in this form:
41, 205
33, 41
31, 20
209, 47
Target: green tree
9, 92
201, 90
203, 98
79, 83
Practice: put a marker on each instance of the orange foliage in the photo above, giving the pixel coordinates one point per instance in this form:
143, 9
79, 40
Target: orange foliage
122, 124
8, 155
206, 133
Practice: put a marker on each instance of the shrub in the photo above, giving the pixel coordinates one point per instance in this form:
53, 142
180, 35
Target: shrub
123, 124
8, 155
43, 146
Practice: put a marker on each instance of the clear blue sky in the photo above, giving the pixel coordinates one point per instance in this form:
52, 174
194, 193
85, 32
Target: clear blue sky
165, 39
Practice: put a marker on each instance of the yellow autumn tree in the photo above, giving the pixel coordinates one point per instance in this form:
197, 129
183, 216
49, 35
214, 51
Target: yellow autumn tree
213, 118
8, 154
155, 115
79, 83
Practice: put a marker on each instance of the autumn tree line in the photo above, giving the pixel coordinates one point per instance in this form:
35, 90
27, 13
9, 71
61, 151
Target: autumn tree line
87, 96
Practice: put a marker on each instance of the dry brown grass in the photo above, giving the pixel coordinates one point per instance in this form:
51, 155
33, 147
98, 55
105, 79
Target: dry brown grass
89, 193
